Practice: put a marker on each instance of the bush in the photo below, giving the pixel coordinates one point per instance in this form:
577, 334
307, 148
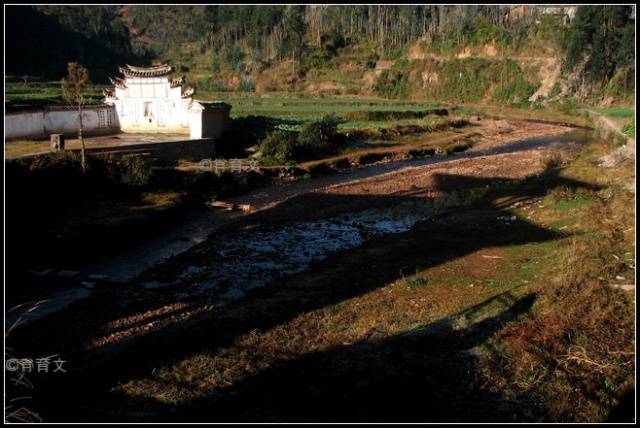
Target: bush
567, 106
135, 172
555, 90
234, 57
319, 137
392, 84
552, 161
372, 60
279, 146
211, 84
215, 64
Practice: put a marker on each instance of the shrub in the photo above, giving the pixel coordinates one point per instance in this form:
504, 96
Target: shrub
392, 84
247, 84
135, 172
316, 138
555, 90
211, 84
414, 281
234, 57
279, 146
551, 161
567, 106
371, 61
319, 137
215, 64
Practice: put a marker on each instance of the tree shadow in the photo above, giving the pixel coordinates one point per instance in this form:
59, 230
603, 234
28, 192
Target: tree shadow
339, 277
429, 374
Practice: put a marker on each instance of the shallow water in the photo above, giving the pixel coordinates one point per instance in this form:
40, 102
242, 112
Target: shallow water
251, 259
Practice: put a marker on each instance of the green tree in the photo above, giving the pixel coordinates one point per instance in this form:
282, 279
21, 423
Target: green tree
294, 28
600, 36
74, 90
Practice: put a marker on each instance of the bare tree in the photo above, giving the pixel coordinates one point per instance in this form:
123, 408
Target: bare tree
74, 89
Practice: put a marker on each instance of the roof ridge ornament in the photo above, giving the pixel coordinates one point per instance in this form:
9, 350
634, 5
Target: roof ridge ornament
152, 71
118, 82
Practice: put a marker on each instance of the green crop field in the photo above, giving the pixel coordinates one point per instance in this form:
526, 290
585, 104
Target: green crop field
32, 91
356, 113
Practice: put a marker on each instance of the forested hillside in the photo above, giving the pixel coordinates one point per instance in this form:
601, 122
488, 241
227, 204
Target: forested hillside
463, 53
41, 40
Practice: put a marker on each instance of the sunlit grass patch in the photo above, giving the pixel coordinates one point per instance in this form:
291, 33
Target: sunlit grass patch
564, 198
616, 112
572, 203
44, 92
414, 281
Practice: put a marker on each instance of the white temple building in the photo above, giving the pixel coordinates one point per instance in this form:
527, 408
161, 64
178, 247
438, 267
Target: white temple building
148, 99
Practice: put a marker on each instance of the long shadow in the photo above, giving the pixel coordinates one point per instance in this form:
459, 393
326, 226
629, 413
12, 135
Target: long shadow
422, 375
577, 136
335, 204
341, 276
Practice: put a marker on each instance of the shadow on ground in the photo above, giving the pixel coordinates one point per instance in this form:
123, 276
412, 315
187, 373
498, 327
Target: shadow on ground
422, 375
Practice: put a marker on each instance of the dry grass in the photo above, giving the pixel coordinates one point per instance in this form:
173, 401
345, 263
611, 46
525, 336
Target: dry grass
576, 351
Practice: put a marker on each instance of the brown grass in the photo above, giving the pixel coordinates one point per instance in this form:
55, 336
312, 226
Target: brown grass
576, 352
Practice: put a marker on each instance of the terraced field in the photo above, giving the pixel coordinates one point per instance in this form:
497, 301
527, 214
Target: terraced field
356, 113
20, 91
